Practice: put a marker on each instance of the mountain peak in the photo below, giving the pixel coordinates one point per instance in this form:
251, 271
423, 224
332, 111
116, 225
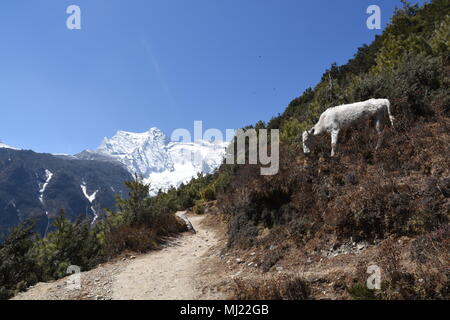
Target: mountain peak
161, 162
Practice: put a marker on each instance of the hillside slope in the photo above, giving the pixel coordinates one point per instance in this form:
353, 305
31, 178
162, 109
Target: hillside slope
35, 185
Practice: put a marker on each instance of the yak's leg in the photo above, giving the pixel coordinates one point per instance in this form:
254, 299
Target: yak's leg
334, 140
379, 126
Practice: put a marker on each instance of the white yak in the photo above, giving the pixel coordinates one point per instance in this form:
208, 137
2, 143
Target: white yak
341, 117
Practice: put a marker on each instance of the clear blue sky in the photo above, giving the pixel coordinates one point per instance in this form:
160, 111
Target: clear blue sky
138, 64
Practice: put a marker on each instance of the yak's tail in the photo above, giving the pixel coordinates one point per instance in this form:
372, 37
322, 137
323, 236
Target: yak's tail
391, 118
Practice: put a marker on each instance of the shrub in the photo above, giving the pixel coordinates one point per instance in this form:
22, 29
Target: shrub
440, 42
18, 267
199, 207
71, 243
273, 287
361, 292
292, 130
209, 193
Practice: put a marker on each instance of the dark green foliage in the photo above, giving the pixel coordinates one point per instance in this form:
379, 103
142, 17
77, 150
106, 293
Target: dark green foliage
136, 209
361, 292
18, 266
71, 243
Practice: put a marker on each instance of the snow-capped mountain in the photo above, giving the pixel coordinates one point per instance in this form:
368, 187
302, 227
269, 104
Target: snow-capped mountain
162, 163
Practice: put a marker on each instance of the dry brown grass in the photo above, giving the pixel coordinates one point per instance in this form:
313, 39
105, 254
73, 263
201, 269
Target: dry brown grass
272, 287
419, 269
401, 190
144, 238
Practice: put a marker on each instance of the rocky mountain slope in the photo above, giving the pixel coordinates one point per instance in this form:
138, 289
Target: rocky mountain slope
35, 185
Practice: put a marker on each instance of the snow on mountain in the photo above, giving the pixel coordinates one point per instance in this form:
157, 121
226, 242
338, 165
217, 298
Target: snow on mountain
5, 146
162, 163
90, 198
48, 177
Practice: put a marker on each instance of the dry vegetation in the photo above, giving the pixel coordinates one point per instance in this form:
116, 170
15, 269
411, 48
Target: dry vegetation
316, 203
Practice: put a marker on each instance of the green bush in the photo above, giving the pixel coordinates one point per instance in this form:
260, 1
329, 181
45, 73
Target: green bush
72, 243
292, 130
199, 207
440, 42
361, 292
209, 193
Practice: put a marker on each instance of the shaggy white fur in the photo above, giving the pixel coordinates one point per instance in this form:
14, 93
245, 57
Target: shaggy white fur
337, 118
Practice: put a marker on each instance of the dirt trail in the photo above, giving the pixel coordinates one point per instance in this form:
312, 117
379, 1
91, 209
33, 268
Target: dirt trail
167, 274
171, 273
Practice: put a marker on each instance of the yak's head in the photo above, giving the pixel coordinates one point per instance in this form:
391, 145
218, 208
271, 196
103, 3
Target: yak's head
308, 140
